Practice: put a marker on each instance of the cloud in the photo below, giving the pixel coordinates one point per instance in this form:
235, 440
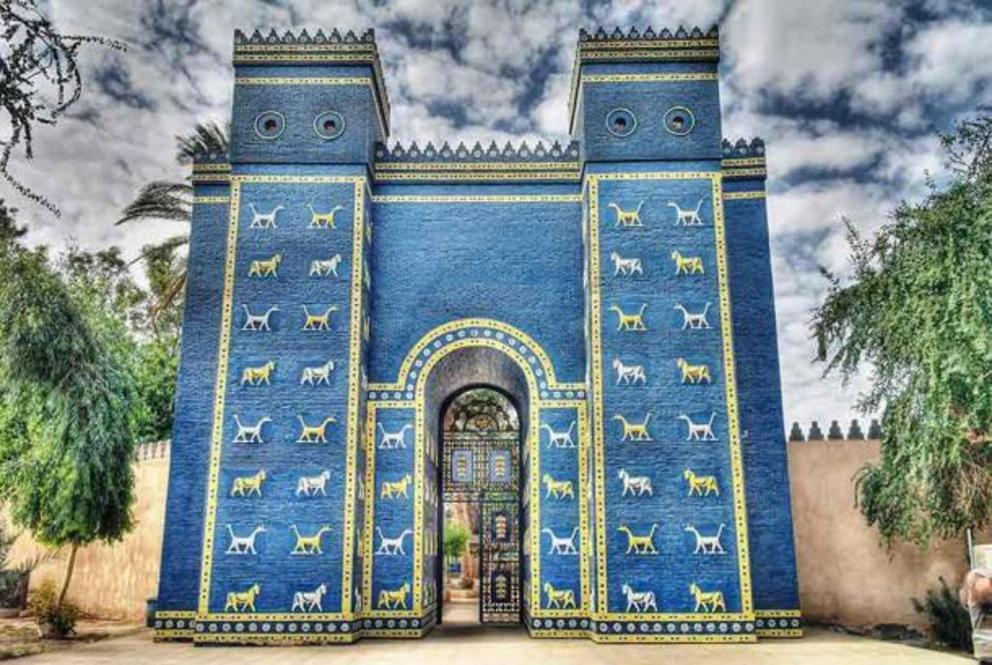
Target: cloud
847, 93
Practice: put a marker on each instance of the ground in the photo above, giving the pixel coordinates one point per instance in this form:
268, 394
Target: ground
19, 637
492, 646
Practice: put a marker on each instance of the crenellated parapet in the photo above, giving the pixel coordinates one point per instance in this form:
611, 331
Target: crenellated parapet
633, 34
478, 153
411, 163
743, 159
835, 431
304, 37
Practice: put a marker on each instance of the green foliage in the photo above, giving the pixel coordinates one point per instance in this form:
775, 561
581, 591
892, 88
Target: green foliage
45, 607
918, 311
455, 540
69, 394
156, 367
950, 622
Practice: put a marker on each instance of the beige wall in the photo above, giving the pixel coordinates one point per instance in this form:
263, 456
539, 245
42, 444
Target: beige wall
114, 581
845, 575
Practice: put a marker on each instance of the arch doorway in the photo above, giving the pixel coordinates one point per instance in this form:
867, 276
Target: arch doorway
480, 488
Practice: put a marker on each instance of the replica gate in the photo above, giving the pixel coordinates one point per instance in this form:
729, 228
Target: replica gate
615, 289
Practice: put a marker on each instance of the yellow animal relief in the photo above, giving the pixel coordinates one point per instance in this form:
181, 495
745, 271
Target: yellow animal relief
248, 485
242, 601
694, 373
256, 376
639, 544
265, 268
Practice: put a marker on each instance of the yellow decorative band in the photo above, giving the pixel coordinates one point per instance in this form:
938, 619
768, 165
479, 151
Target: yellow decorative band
475, 166
775, 614
532, 175
649, 78
211, 177
297, 179
303, 80
480, 198
199, 168
206, 200
649, 43
242, 58
738, 162
304, 48
740, 196
647, 54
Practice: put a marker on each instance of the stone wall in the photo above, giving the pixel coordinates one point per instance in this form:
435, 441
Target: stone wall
846, 576
115, 580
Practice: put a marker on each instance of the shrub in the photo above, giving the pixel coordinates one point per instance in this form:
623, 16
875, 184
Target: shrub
43, 605
950, 622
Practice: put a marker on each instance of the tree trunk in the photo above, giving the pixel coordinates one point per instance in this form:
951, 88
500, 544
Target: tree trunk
68, 573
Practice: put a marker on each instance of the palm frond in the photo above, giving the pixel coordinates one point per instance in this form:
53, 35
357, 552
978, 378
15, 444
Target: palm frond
208, 138
162, 200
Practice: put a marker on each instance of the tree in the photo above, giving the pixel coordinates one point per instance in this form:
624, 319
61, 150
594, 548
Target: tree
918, 311
39, 79
173, 201
66, 429
455, 540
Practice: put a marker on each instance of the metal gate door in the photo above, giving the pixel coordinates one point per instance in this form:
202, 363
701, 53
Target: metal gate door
481, 458
500, 557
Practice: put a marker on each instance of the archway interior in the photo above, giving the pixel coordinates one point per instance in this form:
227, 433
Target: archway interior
479, 396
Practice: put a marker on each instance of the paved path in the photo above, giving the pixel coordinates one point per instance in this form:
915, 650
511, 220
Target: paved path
491, 646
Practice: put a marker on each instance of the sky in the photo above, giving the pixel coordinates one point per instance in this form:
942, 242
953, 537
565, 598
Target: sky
848, 94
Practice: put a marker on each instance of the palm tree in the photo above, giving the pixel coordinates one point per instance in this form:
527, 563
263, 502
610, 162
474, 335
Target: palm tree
173, 201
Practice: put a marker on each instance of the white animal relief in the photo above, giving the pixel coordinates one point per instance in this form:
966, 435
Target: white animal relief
629, 375
562, 545
315, 376
391, 546
688, 217
326, 267
393, 439
635, 485
694, 320
626, 267
560, 439
263, 220
250, 433
308, 601
312, 485
707, 544
639, 601
699, 431
243, 544
257, 322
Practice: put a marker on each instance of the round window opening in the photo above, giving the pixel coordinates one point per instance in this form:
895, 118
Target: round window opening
329, 125
621, 122
270, 124
679, 121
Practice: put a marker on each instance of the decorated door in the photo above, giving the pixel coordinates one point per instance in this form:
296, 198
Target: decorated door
482, 466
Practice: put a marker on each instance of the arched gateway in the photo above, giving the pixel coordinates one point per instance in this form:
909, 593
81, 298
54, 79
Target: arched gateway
344, 297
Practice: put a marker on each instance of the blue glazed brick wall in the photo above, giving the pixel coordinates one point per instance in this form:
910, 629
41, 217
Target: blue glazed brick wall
765, 462
181, 549
284, 459
519, 263
665, 396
